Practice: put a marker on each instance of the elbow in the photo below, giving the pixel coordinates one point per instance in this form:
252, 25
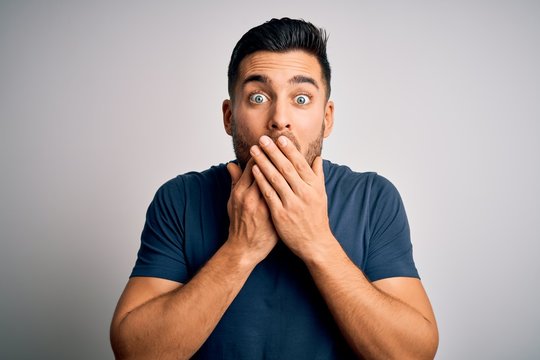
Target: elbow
118, 349
433, 343
430, 344
426, 346
117, 338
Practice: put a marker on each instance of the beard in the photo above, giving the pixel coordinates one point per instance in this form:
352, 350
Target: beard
241, 145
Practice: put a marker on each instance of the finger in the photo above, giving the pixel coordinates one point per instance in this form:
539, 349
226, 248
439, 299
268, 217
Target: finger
296, 158
235, 172
241, 179
317, 167
280, 162
273, 176
267, 191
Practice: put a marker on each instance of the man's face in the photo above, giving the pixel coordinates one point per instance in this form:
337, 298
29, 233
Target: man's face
279, 94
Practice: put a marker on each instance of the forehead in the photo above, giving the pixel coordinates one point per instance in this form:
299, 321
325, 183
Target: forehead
280, 66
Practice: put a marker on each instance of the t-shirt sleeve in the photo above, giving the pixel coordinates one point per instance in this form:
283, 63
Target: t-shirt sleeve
161, 253
390, 251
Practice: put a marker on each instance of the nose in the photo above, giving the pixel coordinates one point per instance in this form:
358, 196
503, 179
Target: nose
279, 119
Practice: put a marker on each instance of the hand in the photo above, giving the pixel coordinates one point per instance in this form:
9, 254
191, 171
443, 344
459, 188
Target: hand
295, 194
250, 226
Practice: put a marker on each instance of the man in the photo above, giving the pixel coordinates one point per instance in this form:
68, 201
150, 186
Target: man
280, 255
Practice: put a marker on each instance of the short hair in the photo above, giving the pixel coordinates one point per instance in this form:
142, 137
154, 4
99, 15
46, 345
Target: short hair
281, 35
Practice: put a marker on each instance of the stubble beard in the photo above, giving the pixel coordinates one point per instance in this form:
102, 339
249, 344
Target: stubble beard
241, 145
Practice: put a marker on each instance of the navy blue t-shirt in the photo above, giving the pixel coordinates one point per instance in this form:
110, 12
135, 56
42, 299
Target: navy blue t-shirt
279, 313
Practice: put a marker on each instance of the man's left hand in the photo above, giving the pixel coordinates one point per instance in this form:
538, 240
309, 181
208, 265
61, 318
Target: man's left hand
295, 193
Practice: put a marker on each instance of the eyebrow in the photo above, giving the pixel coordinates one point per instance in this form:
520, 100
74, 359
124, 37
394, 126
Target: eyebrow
297, 79
256, 78
300, 79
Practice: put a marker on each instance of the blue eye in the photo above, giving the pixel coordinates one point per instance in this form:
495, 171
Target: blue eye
302, 99
258, 98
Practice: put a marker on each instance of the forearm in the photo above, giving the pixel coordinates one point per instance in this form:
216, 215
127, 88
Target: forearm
175, 325
376, 325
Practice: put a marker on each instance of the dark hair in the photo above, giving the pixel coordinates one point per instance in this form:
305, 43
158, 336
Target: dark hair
281, 35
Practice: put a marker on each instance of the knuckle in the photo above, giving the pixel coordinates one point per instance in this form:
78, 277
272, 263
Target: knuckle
286, 169
281, 216
274, 179
268, 194
300, 192
302, 166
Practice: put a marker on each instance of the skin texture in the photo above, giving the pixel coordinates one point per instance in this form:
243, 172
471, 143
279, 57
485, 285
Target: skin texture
278, 120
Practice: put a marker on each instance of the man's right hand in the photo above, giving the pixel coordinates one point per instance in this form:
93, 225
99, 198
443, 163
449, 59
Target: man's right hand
251, 228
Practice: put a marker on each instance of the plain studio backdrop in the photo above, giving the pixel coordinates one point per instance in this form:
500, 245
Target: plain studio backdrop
103, 101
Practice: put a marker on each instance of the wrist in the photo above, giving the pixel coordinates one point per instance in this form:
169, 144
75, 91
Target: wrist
242, 256
321, 250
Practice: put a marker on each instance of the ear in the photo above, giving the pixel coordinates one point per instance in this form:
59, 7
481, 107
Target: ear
226, 108
328, 118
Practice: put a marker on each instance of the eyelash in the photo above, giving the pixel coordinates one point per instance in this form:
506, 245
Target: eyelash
308, 95
257, 93
304, 94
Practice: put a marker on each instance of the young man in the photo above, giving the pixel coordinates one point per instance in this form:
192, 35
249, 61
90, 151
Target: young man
280, 255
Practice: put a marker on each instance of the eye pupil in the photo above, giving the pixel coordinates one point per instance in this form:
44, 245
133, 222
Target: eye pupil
301, 100
259, 99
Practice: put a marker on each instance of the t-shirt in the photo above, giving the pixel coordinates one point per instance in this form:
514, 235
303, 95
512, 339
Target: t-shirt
279, 312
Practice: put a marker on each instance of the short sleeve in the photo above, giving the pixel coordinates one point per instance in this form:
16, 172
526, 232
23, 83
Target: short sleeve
390, 252
161, 253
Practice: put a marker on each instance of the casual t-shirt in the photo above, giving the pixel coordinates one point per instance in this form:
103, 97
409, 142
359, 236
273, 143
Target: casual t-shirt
279, 313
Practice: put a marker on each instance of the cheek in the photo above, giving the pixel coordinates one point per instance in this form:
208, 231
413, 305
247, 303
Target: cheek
244, 132
309, 122
249, 125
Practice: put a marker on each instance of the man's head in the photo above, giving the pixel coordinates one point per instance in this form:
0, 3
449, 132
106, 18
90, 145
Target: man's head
279, 84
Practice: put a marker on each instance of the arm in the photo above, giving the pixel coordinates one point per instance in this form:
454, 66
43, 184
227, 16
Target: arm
391, 318
157, 318
387, 319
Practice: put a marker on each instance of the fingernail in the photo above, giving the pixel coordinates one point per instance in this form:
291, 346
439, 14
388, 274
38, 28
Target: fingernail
255, 150
282, 140
265, 140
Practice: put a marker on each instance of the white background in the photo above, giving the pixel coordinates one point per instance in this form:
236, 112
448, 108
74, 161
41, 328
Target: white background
103, 101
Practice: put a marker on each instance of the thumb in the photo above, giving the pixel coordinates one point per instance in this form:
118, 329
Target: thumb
235, 172
317, 167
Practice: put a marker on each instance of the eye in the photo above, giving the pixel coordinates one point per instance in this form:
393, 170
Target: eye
258, 98
302, 99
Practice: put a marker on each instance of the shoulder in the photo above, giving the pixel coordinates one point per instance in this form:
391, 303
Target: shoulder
192, 184
215, 175
344, 185
342, 177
